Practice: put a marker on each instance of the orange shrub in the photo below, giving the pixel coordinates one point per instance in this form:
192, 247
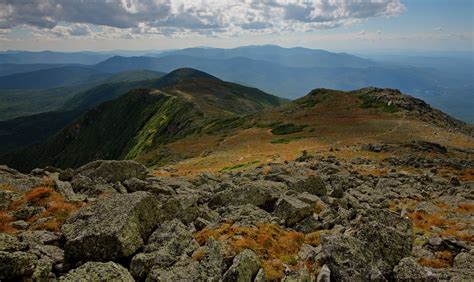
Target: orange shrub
54, 203
5, 220
39, 196
276, 247
442, 259
465, 208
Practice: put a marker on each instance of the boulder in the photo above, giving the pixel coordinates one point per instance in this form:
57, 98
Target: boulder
113, 171
40, 237
324, 274
7, 197
292, 210
465, 260
246, 215
409, 270
98, 271
244, 267
312, 184
111, 228
16, 265
370, 249
171, 240
20, 181
209, 267
262, 194
10, 243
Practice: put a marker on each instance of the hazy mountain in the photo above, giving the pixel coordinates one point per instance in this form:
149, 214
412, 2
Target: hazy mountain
51, 78
8, 69
291, 57
291, 72
50, 57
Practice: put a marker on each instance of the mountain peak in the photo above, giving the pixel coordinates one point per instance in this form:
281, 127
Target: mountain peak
183, 74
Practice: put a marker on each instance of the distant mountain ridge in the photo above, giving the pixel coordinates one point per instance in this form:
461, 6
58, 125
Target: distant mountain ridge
154, 123
185, 101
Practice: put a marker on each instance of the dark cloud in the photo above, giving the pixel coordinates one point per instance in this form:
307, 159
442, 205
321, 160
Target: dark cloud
192, 15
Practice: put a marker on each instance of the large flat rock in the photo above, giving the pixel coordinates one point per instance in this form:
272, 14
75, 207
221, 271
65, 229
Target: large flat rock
111, 228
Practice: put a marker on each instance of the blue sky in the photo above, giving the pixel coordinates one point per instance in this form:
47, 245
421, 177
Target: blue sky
338, 25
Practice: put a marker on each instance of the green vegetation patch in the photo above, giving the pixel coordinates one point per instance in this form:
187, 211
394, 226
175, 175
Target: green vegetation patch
237, 166
287, 128
368, 102
284, 140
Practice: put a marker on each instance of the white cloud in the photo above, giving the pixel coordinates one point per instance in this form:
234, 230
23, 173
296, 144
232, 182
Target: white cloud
184, 17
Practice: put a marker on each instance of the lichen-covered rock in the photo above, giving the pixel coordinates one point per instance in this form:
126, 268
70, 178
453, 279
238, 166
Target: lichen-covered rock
113, 171
10, 243
171, 240
111, 228
324, 274
465, 260
16, 265
35, 237
209, 267
370, 249
262, 194
409, 270
20, 181
292, 210
312, 184
98, 271
246, 215
7, 197
244, 267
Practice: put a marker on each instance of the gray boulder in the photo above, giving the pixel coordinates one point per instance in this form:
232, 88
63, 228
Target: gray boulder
324, 274
113, 171
111, 228
171, 240
244, 267
209, 267
465, 260
312, 184
20, 181
409, 270
98, 271
10, 243
292, 210
7, 197
262, 194
16, 265
370, 249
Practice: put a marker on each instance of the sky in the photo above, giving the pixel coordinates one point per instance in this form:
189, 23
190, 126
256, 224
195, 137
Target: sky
336, 25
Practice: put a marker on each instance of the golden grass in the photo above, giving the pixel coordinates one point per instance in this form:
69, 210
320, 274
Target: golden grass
277, 248
7, 187
442, 259
54, 203
5, 220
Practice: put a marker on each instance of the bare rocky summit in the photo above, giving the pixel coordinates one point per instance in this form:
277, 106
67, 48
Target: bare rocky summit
313, 219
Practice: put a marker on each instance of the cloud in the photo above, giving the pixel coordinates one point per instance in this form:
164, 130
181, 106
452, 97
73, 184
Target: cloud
192, 16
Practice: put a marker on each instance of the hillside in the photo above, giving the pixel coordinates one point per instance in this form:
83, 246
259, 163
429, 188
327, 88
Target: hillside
329, 122
381, 190
36, 115
183, 102
51, 78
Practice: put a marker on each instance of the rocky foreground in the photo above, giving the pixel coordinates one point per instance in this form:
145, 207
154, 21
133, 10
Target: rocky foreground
314, 219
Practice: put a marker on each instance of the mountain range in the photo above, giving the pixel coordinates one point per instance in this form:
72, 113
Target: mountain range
285, 72
150, 120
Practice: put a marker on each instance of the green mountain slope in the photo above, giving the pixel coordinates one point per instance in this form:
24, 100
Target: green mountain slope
61, 106
179, 104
